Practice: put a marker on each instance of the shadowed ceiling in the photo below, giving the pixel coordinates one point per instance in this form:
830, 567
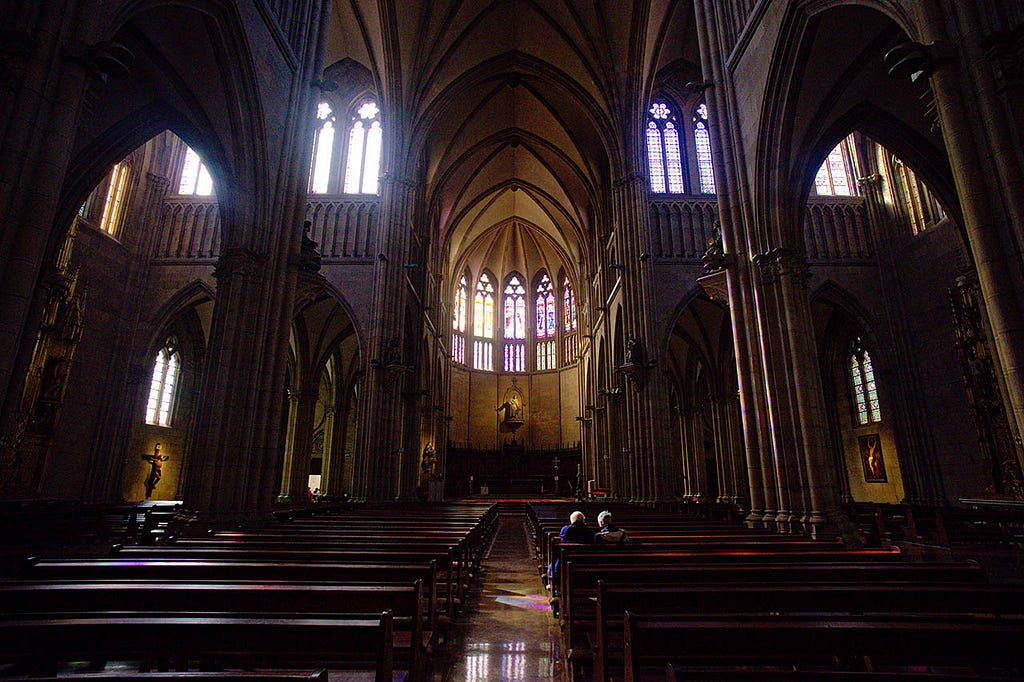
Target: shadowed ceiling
512, 109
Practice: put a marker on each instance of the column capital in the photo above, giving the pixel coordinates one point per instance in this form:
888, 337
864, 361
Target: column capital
397, 180
239, 261
782, 262
160, 183
631, 178
872, 181
1005, 49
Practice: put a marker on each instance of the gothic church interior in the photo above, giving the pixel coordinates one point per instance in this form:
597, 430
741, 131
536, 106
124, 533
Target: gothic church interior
765, 253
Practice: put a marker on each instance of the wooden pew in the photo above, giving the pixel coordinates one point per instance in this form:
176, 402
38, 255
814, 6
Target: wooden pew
181, 570
189, 676
676, 673
616, 556
404, 601
581, 580
613, 600
39, 645
447, 575
652, 640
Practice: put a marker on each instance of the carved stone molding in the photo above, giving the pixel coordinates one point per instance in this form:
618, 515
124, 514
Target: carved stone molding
1005, 49
782, 262
634, 178
239, 261
715, 285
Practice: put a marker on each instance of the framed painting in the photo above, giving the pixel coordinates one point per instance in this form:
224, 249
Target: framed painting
871, 458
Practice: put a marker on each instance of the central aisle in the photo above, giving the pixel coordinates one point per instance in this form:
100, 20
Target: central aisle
506, 632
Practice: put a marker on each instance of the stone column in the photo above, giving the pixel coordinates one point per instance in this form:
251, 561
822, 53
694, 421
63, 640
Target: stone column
780, 458
818, 503
46, 91
380, 449
328, 455
988, 181
733, 192
289, 447
305, 413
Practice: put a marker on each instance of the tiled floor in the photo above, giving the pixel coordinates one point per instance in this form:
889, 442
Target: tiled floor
506, 632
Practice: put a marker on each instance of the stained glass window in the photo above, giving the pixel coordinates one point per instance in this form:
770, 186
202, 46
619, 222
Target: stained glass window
571, 340
162, 386
546, 324
515, 325
865, 392
664, 154
459, 322
195, 178
113, 207
323, 150
362, 170
703, 144
483, 324
833, 178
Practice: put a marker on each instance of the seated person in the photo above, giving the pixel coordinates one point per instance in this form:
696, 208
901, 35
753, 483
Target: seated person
576, 532
609, 532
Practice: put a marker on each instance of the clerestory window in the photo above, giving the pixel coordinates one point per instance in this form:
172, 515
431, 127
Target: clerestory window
162, 387
664, 156
865, 392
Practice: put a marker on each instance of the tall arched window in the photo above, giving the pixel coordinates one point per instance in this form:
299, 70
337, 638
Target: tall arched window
835, 175
195, 178
362, 167
702, 140
546, 326
113, 207
515, 324
166, 368
862, 378
571, 341
483, 324
323, 150
664, 156
459, 322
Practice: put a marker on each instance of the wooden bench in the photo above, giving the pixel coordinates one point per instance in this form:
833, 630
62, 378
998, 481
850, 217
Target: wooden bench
613, 600
117, 675
676, 673
411, 632
171, 570
809, 641
447, 575
39, 645
616, 556
578, 603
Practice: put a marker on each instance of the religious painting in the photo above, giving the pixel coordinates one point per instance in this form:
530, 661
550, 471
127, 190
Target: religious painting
871, 458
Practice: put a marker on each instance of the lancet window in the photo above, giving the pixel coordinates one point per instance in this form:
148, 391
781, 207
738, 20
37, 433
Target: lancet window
483, 324
515, 324
865, 392
546, 324
166, 369
664, 155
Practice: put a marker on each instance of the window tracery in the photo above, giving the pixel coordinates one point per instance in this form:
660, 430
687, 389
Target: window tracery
162, 387
862, 379
664, 156
483, 324
515, 324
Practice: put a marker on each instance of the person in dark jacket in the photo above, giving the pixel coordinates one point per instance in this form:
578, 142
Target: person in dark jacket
609, 532
577, 532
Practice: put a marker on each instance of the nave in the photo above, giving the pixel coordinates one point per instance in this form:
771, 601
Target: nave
453, 592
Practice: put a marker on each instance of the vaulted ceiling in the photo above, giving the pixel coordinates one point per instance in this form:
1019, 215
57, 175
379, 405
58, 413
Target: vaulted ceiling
512, 112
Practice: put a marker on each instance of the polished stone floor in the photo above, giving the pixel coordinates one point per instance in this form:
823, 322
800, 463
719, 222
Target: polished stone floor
506, 632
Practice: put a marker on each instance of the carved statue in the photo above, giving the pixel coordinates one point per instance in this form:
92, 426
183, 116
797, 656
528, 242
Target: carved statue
634, 351
156, 462
513, 409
